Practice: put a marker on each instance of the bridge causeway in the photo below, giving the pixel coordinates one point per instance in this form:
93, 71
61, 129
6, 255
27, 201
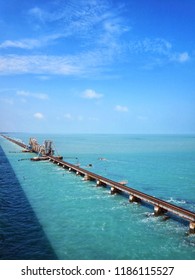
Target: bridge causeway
160, 206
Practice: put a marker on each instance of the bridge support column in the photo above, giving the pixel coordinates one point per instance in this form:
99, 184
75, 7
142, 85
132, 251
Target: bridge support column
158, 211
87, 177
69, 169
113, 190
133, 198
77, 173
192, 228
98, 183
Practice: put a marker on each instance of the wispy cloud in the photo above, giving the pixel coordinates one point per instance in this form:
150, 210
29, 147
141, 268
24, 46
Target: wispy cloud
147, 45
21, 44
120, 108
77, 21
95, 26
82, 64
160, 51
75, 17
91, 94
37, 64
38, 13
29, 44
95, 23
23, 93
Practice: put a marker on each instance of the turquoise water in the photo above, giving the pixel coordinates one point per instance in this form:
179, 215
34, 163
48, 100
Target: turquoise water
80, 221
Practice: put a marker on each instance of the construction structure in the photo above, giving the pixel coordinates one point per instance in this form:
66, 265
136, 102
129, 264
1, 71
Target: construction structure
42, 150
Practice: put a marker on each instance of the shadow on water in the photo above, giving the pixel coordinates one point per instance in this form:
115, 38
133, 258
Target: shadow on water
21, 235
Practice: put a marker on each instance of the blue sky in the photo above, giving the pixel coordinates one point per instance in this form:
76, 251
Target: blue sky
97, 66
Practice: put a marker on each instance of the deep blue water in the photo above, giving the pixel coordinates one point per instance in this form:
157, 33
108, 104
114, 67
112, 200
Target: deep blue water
21, 234
48, 213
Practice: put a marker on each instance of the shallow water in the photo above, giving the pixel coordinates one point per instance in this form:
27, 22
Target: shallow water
76, 220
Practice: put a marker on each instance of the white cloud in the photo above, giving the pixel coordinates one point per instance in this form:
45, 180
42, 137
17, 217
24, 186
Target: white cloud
180, 57
120, 108
183, 57
68, 116
38, 116
91, 94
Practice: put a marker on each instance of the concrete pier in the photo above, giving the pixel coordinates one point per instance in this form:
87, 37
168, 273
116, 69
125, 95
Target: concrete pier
87, 177
113, 190
192, 228
158, 211
100, 184
133, 198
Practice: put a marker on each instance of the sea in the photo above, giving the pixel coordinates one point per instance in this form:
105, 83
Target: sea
47, 212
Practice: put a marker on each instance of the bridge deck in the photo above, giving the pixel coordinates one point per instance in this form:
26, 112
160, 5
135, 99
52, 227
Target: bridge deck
179, 211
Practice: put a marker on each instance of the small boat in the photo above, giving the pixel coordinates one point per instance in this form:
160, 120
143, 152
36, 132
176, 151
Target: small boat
26, 151
59, 157
39, 158
101, 158
124, 182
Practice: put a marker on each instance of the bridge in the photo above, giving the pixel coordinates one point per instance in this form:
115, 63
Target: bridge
160, 206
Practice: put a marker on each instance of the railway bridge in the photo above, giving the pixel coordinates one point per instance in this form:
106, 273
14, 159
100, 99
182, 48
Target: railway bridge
160, 206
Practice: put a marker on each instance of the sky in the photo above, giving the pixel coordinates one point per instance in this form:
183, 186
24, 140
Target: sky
97, 66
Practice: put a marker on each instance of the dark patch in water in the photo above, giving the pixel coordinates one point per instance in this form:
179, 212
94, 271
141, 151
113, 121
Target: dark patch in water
21, 235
